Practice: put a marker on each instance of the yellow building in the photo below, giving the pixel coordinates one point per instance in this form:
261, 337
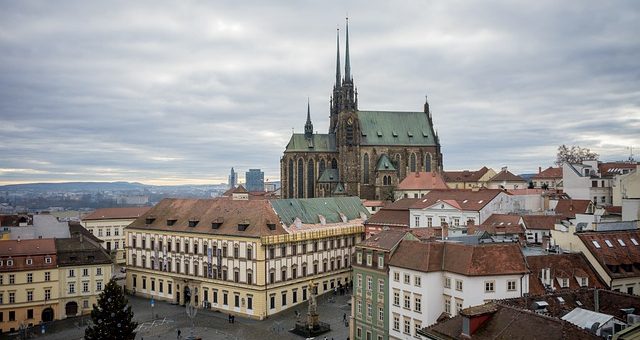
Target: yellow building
469, 179
84, 268
108, 225
249, 257
28, 283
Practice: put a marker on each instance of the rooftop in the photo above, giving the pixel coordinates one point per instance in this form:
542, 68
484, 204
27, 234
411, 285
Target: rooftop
618, 252
465, 175
422, 181
116, 213
549, 173
561, 266
506, 176
469, 200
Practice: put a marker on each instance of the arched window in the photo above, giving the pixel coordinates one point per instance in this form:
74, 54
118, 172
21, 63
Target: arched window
321, 167
334, 164
300, 178
290, 178
412, 162
427, 162
398, 164
365, 169
311, 178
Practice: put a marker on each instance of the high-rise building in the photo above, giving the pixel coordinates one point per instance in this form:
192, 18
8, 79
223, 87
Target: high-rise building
233, 179
255, 180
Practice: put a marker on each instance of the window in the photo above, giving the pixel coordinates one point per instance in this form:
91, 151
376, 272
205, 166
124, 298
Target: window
72, 273
29, 277
85, 303
359, 257
417, 281
160, 286
249, 253
396, 298
633, 240
12, 279
47, 294
447, 282
369, 260
417, 304
416, 328
621, 242
380, 314
249, 302
458, 306
12, 315
108, 232
407, 279
429, 222
116, 231
85, 272
564, 283
396, 276
47, 276
369, 311
72, 288
596, 244
396, 323
407, 326
380, 261
359, 283
236, 300
30, 297
85, 286
489, 286
609, 244
459, 285
29, 262
443, 220
511, 285
284, 298
380, 289
12, 297
98, 271
225, 297
47, 260
416, 220
169, 288
630, 290
407, 301
456, 221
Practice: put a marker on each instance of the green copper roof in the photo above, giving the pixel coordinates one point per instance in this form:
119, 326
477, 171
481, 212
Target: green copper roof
318, 143
308, 209
329, 176
339, 190
395, 128
384, 164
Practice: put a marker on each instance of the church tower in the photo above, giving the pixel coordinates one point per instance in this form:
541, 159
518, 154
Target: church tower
345, 96
308, 126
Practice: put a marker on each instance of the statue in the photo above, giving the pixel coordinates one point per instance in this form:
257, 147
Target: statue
312, 326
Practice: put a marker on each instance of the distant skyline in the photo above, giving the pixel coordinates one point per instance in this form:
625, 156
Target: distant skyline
179, 92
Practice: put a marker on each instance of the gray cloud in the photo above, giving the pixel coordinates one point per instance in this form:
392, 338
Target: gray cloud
166, 92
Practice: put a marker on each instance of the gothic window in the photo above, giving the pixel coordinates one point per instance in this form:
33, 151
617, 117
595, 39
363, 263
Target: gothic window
334, 164
349, 131
398, 164
290, 178
427, 162
321, 168
311, 177
300, 178
412, 164
365, 169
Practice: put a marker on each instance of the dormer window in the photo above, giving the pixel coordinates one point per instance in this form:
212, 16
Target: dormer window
149, 220
243, 226
47, 259
609, 244
171, 222
29, 262
583, 281
193, 223
9, 263
271, 226
621, 242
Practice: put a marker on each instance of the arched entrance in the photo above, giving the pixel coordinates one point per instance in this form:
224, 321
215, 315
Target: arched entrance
71, 308
47, 315
187, 295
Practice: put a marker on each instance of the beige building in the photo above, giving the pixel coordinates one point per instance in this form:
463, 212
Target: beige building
108, 225
249, 257
28, 283
468, 179
626, 185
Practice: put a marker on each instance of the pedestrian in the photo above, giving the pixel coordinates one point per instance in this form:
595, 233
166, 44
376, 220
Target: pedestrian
179, 332
344, 317
229, 318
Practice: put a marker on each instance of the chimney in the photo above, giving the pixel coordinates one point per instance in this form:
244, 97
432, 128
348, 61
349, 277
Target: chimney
504, 168
596, 301
539, 169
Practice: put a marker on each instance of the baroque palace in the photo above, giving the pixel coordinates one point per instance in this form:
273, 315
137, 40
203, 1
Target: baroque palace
364, 154
243, 256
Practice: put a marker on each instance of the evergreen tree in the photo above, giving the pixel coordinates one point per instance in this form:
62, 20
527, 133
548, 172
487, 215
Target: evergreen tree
112, 316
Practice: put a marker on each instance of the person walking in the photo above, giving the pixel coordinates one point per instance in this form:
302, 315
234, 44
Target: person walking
179, 332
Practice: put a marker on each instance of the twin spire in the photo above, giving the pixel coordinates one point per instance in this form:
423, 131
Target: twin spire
347, 62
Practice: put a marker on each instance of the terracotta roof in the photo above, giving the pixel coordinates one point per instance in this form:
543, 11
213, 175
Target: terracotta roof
422, 181
116, 213
386, 239
549, 173
469, 260
561, 266
76, 229
498, 224
371, 203
502, 220
607, 247
541, 222
467, 199
226, 214
21, 250
15, 220
506, 176
393, 214
508, 322
76, 251
465, 175
526, 191
568, 208
611, 168
240, 190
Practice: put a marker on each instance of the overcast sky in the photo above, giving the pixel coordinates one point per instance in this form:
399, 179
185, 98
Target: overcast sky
179, 92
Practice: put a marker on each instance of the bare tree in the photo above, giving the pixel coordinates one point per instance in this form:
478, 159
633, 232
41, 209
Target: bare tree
574, 155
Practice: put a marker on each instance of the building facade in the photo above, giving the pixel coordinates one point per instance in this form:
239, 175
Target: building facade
248, 257
108, 225
364, 153
255, 180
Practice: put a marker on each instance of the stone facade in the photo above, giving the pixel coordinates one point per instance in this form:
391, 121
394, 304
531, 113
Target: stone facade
365, 153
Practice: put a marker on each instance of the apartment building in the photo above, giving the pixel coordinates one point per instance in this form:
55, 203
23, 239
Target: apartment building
108, 225
248, 257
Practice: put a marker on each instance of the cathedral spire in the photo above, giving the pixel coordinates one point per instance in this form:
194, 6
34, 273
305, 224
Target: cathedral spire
308, 126
347, 63
338, 76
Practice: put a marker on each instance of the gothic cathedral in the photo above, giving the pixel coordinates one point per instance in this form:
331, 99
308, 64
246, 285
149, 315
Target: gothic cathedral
365, 153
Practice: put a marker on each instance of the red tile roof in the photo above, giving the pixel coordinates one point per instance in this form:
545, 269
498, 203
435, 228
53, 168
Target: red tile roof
498, 224
465, 175
467, 199
21, 250
15, 220
422, 181
615, 167
568, 208
541, 222
385, 240
371, 203
561, 266
469, 260
620, 261
549, 173
116, 213
395, 214
506, 176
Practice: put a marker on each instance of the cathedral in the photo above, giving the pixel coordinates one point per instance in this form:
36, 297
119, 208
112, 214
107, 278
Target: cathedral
364, 153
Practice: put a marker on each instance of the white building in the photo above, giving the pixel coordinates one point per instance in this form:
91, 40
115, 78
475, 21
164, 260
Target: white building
584, 181
448, 277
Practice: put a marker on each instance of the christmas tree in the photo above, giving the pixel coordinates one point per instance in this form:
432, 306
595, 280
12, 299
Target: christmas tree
112, 316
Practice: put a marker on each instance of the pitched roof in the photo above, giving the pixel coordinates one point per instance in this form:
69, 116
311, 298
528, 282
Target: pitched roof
618, 252
76, 229
561, 266
467, 199
502, 220
329, 176
15, 220
506, 176
612, 168
568, 208
422, 181
395, 128
384, 164
541, 222
27, 247
307, 210
116, 213
385, 240
239, 190
507, 322
80, 251
464, 259
393, 214
465, 175
318, 143
497, 228
225, 214
549, 173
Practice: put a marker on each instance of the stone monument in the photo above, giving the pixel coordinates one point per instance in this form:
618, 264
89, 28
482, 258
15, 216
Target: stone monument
312, 326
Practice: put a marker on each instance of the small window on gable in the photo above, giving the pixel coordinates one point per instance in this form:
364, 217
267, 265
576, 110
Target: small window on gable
609, 244
622, 243
596, 244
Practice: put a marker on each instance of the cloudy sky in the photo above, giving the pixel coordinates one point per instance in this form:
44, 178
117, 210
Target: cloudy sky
179, 92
